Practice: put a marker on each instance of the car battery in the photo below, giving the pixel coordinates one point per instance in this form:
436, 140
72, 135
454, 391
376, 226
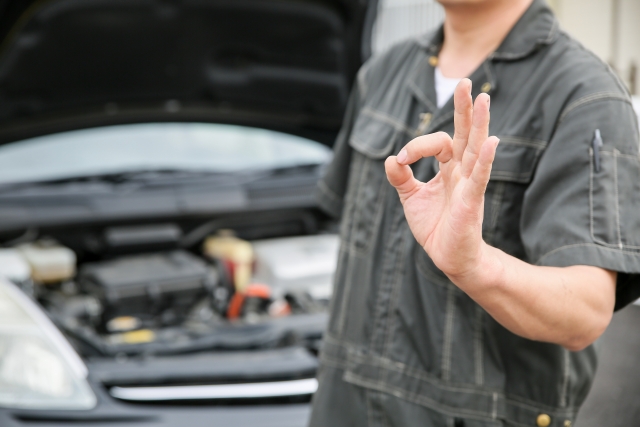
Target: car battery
159, 287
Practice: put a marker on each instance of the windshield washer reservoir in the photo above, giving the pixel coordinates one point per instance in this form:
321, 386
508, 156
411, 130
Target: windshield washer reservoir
49, 262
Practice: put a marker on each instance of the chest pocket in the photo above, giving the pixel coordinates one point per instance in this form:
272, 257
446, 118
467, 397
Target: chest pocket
373, 139
513, 168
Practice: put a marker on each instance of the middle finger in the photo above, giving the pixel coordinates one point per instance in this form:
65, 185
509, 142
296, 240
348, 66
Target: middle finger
477, 135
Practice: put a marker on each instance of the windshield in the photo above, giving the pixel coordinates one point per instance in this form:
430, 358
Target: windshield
155, 146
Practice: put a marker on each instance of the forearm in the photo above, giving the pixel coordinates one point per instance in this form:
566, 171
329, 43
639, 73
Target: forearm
570, 306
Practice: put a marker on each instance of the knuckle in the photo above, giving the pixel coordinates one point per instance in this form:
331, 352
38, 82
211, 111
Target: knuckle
443, 135
445, 139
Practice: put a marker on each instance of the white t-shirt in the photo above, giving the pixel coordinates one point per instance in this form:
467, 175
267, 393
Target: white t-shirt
445, 87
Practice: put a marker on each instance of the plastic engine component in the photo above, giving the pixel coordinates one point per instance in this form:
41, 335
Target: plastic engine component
147, 286
14, 266
298, 264
49, 262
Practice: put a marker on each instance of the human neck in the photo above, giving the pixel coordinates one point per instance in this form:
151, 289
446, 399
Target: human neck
473, 31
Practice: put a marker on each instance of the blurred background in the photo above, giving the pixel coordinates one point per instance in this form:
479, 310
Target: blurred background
163, 259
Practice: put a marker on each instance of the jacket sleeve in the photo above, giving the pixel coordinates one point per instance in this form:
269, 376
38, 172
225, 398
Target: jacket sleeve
333, 184
583, 204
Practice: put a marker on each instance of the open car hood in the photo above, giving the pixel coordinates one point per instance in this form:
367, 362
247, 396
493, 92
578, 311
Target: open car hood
282, 64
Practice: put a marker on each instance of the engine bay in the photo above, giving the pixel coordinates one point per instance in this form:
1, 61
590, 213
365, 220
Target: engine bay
222, 293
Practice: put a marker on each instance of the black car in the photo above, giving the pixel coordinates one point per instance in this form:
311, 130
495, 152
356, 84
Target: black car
163, 259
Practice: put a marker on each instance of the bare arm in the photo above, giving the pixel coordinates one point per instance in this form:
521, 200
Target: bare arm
570, 306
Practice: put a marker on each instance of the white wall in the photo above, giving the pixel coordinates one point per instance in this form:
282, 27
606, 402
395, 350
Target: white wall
401, 19
610, 28
629, 48
589, 21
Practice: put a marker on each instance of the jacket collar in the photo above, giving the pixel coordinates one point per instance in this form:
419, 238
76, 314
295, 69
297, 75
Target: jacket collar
421, 84
535, 28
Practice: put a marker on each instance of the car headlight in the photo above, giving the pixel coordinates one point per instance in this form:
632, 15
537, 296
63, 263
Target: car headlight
38, 367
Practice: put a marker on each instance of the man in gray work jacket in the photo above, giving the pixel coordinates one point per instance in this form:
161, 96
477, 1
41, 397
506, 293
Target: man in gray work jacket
471, 293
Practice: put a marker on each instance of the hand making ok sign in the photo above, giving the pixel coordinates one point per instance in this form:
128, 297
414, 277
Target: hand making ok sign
445, 214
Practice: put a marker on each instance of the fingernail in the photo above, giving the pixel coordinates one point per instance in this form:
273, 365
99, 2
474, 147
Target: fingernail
402, 156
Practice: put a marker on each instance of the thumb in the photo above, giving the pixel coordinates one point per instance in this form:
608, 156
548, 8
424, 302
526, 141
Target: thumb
401, 177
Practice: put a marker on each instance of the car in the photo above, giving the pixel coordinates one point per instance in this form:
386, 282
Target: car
163, 260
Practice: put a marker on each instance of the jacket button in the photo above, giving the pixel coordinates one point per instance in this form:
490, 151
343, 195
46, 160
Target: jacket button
567, 423
543, 420
486, 87
433, 61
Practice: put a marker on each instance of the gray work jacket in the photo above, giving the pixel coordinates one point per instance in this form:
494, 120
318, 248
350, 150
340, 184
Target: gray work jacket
404, 345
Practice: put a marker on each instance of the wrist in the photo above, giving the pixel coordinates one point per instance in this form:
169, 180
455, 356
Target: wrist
487, 273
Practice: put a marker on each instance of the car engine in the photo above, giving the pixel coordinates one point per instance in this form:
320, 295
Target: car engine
229, 293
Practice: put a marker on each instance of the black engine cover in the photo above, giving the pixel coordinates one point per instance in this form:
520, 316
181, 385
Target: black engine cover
150, 285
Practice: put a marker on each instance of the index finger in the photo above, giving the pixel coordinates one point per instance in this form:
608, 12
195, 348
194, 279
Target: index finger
435, 144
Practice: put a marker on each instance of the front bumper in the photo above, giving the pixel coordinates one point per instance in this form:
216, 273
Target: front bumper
113, 413
267, 388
